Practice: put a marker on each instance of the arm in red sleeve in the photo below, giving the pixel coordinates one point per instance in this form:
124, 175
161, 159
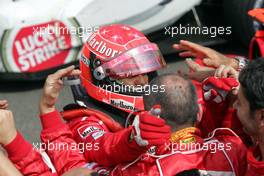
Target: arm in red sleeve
27, 159
103, 146
110, 149
61, 148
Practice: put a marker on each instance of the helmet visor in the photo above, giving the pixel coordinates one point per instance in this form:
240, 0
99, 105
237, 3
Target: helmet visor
140, 60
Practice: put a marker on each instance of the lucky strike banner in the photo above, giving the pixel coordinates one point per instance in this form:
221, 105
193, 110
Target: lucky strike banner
39, 47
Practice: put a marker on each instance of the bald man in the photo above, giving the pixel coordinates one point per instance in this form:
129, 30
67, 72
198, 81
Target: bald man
223, 153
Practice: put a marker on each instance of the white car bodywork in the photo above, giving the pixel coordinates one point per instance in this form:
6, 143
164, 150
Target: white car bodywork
147, 16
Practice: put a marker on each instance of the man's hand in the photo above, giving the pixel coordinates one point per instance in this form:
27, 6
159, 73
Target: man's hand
210, 57
198, 72
226, 71
7, 127
149, 130
3, 104
52, 88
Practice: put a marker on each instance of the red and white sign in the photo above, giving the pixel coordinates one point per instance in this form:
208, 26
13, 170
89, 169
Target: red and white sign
39, 47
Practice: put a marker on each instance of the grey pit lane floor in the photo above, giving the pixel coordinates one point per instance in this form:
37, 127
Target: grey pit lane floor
24, 97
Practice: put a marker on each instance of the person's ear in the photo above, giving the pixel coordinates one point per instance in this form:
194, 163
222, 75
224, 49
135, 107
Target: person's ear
260, 117
260, 123
262, 114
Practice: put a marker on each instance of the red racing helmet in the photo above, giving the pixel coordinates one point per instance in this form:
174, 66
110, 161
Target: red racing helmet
115, 52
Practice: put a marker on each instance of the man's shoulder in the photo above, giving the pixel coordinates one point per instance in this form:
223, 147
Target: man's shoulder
227, 136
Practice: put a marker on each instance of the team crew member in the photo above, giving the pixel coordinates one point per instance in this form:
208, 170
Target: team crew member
250, 111
27, 160
179, 108
249, 104
31, 161
6, 167
217, 112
